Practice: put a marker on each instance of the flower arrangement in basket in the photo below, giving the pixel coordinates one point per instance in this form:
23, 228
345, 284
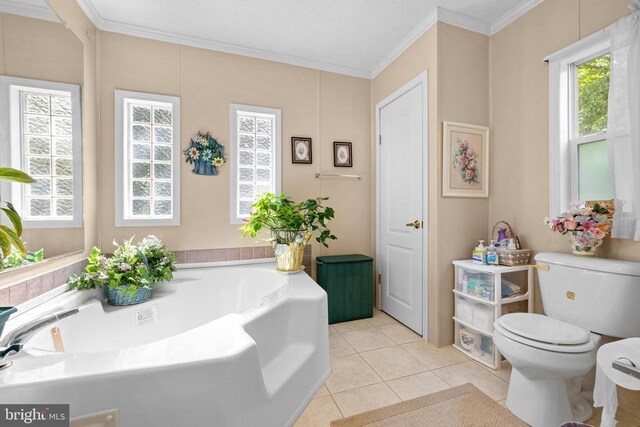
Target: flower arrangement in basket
584, 226
131, 274
502, 231
205, 153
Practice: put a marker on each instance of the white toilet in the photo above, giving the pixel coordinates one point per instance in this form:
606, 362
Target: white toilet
583, 298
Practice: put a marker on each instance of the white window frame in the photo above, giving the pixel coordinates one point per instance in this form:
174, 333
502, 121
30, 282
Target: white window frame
12, 153
563, 147
122, 99
277, 167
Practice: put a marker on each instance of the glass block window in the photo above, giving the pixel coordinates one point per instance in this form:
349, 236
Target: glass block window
255, 156
148, 159
46, 135
46, 142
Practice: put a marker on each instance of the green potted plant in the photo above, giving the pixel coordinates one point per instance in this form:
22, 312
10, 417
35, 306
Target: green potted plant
291, 225
131, 274
10, 237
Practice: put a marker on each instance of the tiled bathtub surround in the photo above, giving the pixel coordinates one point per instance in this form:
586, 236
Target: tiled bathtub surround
24, 291
234, 254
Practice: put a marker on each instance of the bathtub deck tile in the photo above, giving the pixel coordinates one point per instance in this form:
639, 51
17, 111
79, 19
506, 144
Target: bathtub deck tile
219, 255
18, 293
181, 256
246, 253
34, 287
48, 281
233, 254
4, 297
206, 255
193, 256
259, 252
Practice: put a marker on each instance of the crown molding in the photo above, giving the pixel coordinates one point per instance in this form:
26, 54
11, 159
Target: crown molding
407, 41
513, 14
439, 14
463, 21
165, 36
29, 10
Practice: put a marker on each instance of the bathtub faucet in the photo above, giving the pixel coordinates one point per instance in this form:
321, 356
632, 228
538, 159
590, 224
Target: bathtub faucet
14, 341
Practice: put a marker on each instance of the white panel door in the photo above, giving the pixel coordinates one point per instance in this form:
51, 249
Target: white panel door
401, 206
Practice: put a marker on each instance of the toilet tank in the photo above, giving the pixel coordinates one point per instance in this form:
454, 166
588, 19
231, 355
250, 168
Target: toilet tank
601, 295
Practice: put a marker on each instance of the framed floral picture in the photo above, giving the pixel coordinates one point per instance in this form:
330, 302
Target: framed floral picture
465, 167
301, 150
342, 154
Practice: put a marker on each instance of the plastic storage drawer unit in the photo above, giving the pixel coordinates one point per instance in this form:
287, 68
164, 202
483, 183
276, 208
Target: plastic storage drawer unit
348, 281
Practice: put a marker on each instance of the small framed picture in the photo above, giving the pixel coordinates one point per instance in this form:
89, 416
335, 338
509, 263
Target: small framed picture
301, 150
342, 154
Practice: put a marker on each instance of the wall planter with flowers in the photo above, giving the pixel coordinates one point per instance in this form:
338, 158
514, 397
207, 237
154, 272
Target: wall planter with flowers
291, 225
584, 226
205, 153
131, 274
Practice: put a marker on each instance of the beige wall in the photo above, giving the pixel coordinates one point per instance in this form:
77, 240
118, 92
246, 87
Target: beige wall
324, 106
43, 50
520, 116
463, 96
457, 64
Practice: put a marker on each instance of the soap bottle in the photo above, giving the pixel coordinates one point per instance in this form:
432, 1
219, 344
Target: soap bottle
492, 255
480, 253
512, 244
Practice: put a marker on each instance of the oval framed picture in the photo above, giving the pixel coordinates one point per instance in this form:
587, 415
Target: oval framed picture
342, 154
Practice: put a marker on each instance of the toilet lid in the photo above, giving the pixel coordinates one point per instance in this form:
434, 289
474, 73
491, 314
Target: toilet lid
544, 329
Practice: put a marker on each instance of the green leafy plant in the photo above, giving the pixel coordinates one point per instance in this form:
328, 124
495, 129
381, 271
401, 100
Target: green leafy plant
282, 216
131, 266
17, 258
10, 237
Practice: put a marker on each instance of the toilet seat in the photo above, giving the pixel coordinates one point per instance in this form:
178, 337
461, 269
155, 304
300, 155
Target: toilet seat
545, 333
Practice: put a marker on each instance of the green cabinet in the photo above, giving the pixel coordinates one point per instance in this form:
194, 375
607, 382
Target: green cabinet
348, 281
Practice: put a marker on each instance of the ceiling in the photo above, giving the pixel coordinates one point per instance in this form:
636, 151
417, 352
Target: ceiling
355, 37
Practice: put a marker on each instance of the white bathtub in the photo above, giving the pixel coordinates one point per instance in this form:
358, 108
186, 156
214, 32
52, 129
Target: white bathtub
236, 345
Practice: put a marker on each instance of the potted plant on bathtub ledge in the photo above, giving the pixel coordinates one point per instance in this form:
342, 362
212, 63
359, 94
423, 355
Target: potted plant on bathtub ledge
291, 226
131, 274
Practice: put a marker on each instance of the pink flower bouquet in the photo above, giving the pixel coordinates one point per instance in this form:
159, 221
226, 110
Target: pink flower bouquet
466, 161
584, 226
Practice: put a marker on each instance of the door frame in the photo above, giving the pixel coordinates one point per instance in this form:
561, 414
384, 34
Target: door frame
423, 79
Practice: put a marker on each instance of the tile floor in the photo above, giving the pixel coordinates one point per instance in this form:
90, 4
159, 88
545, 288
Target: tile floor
378, 361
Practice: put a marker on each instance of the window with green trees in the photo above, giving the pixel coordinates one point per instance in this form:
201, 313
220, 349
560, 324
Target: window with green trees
590, 171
